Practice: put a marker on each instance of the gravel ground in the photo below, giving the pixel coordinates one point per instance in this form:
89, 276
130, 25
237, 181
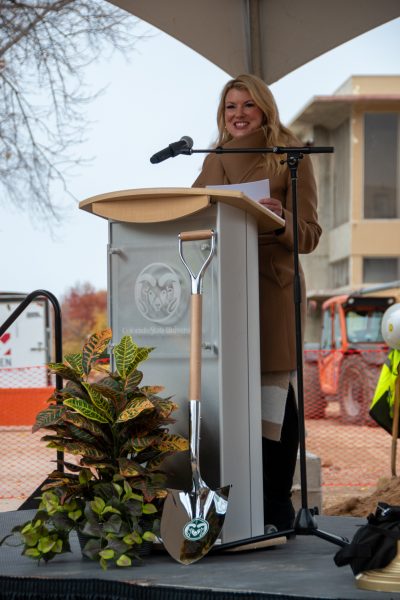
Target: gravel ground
353, 460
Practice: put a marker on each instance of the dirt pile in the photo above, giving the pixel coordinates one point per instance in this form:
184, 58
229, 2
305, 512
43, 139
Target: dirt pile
387, 490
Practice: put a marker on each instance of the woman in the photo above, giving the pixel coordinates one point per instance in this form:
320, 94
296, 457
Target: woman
247, 117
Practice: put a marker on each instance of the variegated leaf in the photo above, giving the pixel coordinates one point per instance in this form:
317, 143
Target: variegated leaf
172, 443
96, 463
124, 354
74, 389
75, 362
165, 407
134, 408
55, 438
108, 392
154, 463
87, 450
48, 417
102, 404
81, 435
152, 389
80, 421
142, 354
129, 468
150, 486
132, 380
65, 371
94, 347
84, 408
71, 467
140, 443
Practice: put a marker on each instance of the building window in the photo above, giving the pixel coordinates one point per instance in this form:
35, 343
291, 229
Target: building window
381, 165
341, 174
380, 270
339, 273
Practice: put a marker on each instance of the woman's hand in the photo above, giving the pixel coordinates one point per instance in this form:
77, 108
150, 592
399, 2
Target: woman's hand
273, 204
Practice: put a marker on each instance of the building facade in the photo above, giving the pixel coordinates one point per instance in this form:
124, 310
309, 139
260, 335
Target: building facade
358, 185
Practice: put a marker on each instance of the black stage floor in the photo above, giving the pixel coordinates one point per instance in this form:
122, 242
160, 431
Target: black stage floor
303, 568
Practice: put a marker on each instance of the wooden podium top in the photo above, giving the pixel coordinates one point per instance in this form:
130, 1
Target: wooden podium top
157, 205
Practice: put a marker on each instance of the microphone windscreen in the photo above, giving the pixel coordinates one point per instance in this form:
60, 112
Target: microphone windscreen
188, 140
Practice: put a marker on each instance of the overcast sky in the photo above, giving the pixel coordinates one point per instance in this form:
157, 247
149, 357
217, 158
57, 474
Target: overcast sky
164, 92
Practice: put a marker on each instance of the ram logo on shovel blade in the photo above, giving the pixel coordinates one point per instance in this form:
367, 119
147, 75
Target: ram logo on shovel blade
195, 529
191, 522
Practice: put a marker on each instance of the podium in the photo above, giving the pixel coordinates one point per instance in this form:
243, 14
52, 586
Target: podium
149, 298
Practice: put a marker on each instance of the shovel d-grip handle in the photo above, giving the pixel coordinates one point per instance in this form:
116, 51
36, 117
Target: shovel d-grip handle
196, 307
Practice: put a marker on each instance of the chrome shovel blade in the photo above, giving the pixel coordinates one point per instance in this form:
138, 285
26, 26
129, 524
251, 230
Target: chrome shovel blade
192, 521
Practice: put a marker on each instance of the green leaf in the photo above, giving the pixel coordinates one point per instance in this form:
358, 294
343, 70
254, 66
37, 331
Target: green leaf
58, 547
149, 536
123, 561
32, 552
132, 538
134, 408
75, 515
149, 509
75, 362
107, 554
84, 408
31, 539
124, 354
113, 525
98, 505
100, 402
94, 348
45, 544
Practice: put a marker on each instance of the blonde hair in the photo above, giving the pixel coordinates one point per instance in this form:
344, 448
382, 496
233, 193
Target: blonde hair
275, 133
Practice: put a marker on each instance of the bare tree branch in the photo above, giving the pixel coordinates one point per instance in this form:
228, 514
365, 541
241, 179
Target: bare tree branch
44, 49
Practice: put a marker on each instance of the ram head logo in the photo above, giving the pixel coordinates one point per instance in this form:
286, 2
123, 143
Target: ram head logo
158, 292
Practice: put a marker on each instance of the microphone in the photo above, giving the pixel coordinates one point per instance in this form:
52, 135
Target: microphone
184, 146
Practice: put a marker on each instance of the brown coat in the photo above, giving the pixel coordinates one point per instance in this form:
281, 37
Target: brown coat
277, 315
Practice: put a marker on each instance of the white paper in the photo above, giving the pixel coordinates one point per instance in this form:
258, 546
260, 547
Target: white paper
256, 190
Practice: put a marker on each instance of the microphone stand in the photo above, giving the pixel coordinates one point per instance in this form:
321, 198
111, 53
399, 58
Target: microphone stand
305, 522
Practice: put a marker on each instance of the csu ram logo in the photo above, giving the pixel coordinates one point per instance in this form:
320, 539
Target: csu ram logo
195, 529
160, 294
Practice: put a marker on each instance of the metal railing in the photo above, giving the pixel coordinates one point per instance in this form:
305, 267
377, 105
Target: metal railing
57, 338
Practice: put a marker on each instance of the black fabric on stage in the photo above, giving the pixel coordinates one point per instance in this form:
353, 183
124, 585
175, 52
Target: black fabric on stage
303, 568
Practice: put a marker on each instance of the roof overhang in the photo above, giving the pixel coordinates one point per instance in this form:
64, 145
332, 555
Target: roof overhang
265, 37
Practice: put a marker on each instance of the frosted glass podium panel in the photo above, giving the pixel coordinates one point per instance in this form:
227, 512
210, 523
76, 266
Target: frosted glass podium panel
149, 298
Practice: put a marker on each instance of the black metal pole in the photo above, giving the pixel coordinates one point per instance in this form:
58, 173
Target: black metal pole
304, 522
57, 338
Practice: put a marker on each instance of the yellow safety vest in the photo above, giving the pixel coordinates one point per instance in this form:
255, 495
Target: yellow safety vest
381, 409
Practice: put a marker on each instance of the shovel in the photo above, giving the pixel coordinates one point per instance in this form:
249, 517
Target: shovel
192, 521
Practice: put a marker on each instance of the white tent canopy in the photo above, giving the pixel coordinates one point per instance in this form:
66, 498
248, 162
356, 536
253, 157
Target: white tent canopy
267, 37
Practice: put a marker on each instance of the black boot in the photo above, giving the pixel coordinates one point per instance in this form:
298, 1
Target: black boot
279, 463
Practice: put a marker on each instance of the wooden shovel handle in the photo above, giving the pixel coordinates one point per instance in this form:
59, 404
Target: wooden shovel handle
195, 347
192, 236
395, 424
